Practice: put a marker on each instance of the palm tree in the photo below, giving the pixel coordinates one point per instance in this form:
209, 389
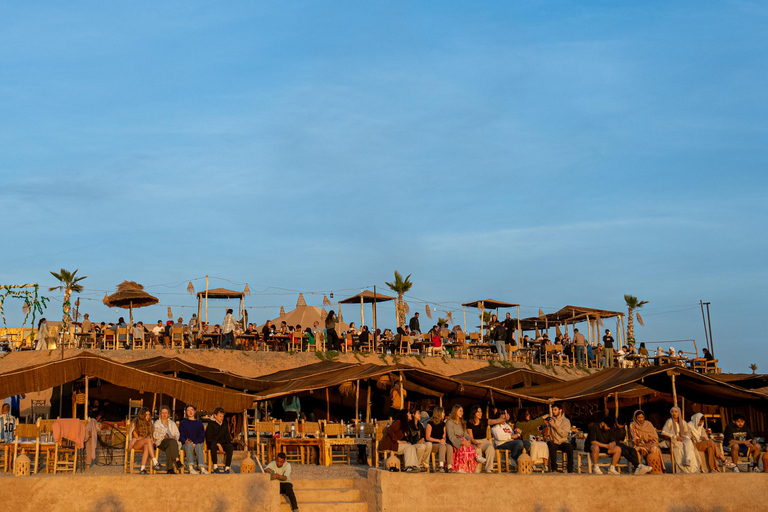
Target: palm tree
400, 286
753, 367
69, 284
632, 305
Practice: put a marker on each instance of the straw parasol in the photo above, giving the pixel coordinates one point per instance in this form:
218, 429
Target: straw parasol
129, 295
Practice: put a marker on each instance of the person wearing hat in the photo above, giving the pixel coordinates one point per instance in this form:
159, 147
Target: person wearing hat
608, 348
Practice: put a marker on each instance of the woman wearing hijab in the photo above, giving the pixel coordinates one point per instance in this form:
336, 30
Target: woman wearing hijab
702, 442
646, 441
42, 335
678, 432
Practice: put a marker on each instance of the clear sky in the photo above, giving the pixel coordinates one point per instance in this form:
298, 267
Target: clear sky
562, 153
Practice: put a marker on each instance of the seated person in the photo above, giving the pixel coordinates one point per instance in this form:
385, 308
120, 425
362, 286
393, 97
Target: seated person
218, 439
642, 351
394, 440
416, 435
601, 439
192, 439
435, 434
646, 441
478, 428
620, 438
559, 432
531, 435
352, 329
267, 331
363, 339
505, 437
140, 434
280, 470
7, 425
708, 355
677, 431
166, 436
739, 439
703, 443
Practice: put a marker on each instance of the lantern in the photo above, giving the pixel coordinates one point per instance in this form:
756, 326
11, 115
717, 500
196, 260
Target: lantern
21, 465
524, 464
248, 466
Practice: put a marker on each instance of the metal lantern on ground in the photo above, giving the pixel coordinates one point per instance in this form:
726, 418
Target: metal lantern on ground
21, 465
248, 466
524, 464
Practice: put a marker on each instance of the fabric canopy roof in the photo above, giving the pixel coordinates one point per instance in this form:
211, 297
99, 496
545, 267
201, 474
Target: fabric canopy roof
367, 296
490, 304
221, 293
506, 378
699, 388
418, 380
48, 375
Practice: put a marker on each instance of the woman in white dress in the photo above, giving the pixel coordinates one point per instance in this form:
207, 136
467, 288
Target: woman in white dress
679, 434
41, 341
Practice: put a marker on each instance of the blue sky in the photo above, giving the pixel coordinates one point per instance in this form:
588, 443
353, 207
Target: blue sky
563, 153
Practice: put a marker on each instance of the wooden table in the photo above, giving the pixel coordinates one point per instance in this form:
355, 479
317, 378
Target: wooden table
302, 443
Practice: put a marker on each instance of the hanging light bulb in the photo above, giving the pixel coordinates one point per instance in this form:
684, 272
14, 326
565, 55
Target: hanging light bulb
331, 294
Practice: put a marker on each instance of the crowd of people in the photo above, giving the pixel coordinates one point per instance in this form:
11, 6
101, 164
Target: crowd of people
461, 443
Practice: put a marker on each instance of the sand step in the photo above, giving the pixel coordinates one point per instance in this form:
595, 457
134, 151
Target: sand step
336, 495
337, 483
330, 506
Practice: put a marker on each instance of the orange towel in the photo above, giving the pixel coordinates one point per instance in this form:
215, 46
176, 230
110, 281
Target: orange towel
71, 429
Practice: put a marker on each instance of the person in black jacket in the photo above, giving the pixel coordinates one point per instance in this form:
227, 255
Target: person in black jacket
740, 441
413, 324
218, 439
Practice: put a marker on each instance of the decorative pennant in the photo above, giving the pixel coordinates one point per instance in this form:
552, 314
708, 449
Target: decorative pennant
429, 311
190, 289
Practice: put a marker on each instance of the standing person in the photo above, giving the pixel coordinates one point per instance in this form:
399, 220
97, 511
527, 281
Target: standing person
435, 434
600, 437
739, 439
86, 326
166, 436
192, 439
608, 348
141, 439
394, 440
499, 336
510, 327
505, 437
41, 337
579, 344
678, 433
478, 435
331, 336
280, 470
7, 425
559, 429
218, 439
228, 330
465, 458
413, 324
192, 329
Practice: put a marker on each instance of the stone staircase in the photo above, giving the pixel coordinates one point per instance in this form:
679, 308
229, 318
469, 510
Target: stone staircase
325, 496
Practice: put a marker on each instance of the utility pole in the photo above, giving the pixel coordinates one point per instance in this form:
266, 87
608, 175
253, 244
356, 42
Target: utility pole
709, 322
704, 319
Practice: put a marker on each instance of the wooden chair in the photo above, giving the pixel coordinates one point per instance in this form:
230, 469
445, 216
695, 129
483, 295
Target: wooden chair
27, 433
65, 457
341, 454
46, 450
89, 341
110, 340
121, 337
39, 409
265, 431
133, 407
405, 345
177, 337
297, 341
130, 457
139, 342
5, 456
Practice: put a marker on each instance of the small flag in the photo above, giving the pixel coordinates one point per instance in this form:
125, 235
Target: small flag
190, 289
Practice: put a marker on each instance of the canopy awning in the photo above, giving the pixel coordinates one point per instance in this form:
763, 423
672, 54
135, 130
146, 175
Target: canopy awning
367, 296
47, 375
490, 304
221, 293
506, 378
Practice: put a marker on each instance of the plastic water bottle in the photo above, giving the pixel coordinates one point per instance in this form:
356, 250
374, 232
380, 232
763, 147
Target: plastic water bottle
293, 430
362, 430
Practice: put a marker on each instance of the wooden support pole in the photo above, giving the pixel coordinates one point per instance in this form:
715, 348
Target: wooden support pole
368, 404
173, 403
206, 298
357, 400
245, 429
616, 403
86, 399
154, 400
327, 405
674, 391
519, 332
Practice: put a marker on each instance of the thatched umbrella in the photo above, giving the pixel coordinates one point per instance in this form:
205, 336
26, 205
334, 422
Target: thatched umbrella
130, 295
